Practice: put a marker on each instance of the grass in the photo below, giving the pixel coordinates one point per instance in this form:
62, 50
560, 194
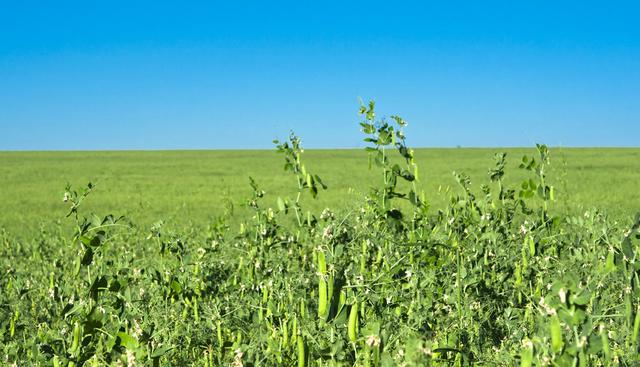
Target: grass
193, 187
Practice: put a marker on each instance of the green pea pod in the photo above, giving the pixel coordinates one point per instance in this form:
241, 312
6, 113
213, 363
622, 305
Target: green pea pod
352, 327
301, 353
610, 262
636, 327
196, 315
219, 335
303, 308
294, 331
556, 334
76, 338
606, 349
322, 286
322, 297
526, 355
285, 334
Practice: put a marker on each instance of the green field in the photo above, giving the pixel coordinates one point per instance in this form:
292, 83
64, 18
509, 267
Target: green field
208, 270
182, 187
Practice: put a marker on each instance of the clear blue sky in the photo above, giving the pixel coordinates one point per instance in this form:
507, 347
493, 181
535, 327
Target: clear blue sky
219, 75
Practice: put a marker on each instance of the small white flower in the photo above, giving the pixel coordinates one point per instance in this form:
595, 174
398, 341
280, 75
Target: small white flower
546, 360
548, 309
137, 330
326, 214
131, 359
523, 229
427, 351
582, 341
327, 233
563, 295
237, 359
373, 340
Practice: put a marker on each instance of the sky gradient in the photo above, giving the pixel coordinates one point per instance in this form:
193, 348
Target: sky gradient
235, 75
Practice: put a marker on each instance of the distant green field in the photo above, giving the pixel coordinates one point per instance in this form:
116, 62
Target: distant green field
183, 187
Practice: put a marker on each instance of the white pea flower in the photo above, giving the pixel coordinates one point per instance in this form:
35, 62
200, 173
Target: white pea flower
373, 340
563, 295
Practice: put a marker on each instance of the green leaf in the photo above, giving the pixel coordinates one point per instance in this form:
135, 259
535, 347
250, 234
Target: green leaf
127, 341
407, 175
159, 352
384, 138
100, 284
367, 128
319, 180
176, 287
87, 259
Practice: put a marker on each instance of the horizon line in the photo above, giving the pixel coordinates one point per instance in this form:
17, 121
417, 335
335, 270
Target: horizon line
309, 149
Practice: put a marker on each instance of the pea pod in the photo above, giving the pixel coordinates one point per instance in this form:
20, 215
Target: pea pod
301, 352
322, 297
219, 335
352, 327
294, 331
285, 334
636, 327
196, 315
556, 334
606, 349
76, 338
322, 286
526, 355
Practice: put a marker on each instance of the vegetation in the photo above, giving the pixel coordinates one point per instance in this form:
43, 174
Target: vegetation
193, 188
498, 275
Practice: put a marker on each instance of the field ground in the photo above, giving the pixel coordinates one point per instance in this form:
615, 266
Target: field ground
182, 187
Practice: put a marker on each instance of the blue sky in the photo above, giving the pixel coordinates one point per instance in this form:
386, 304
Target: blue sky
225, 75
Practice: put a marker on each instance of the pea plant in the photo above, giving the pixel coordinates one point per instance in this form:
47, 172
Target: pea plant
384, 135
497, 276
292, 150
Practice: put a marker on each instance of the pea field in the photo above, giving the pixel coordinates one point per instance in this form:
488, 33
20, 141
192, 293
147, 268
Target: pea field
382, 256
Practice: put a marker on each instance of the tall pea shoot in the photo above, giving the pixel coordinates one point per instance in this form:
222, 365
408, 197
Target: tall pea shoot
292, 150
383, 135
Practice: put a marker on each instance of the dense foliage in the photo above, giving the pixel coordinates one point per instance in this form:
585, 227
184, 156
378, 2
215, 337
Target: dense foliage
496, 279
